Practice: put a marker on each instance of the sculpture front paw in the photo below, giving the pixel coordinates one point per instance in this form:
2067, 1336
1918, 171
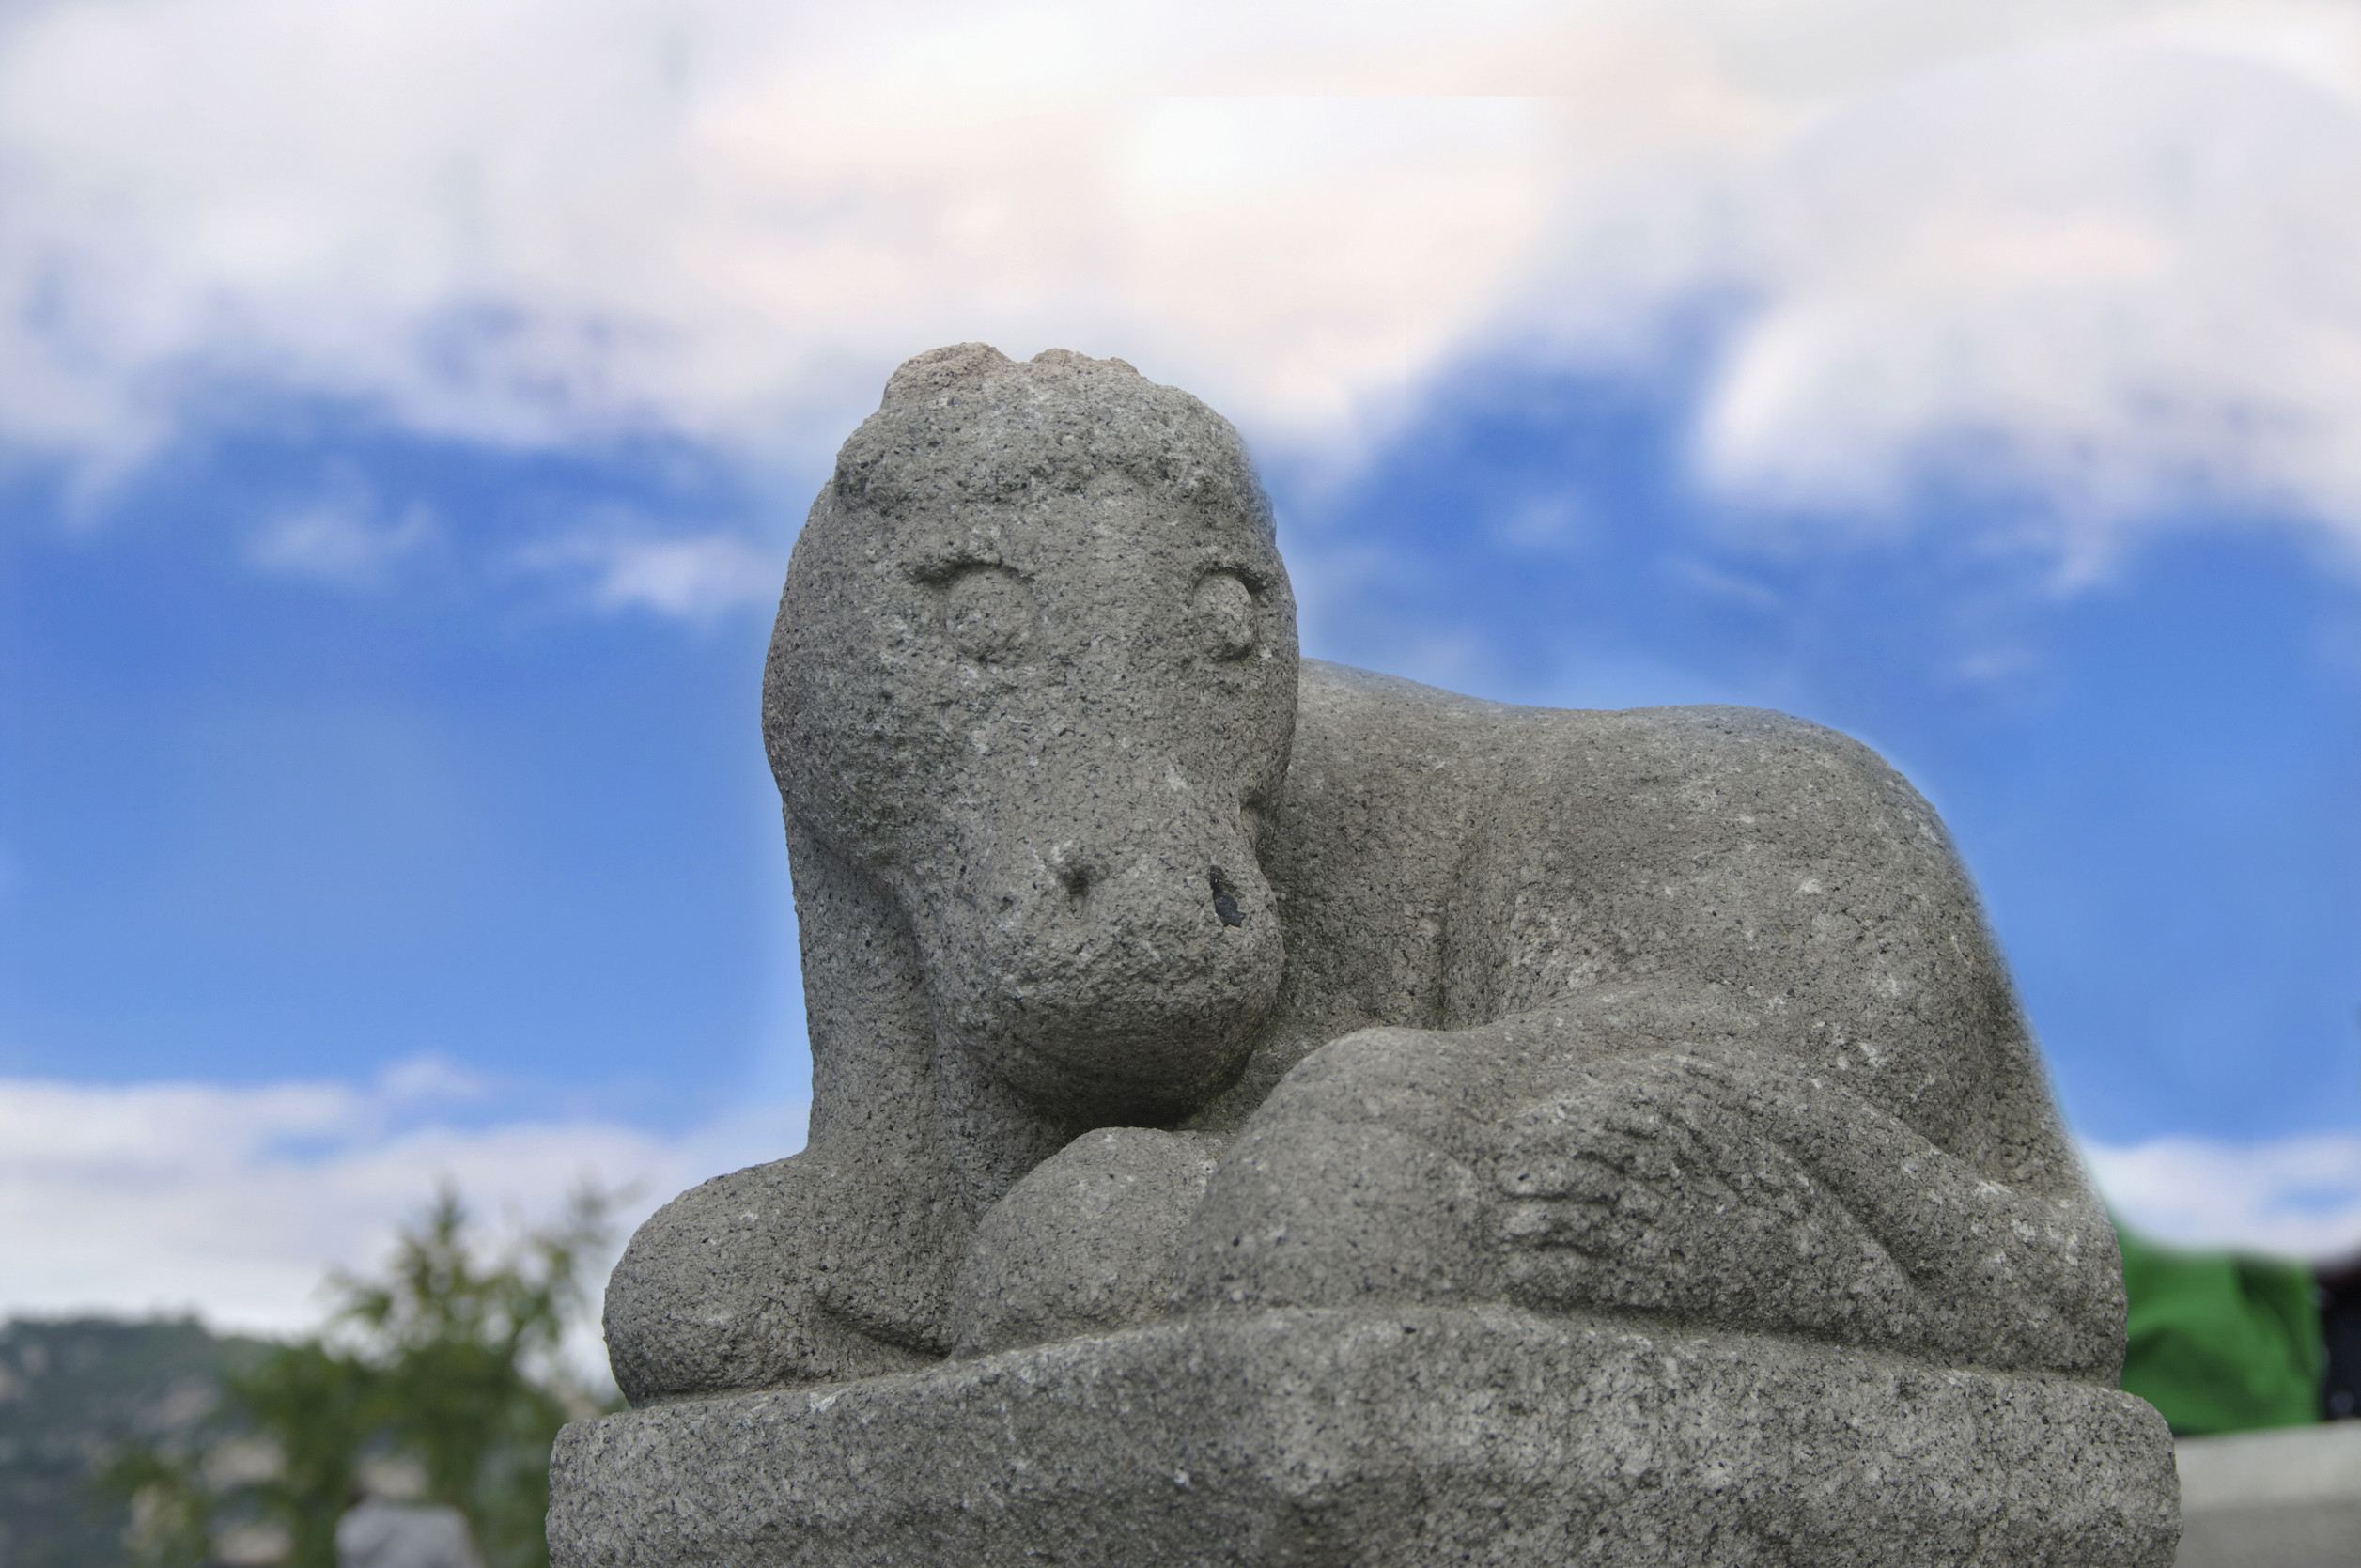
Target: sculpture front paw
1658, 1183
712, 1295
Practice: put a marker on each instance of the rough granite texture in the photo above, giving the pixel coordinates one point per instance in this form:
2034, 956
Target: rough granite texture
1424, 1437
1431, 1130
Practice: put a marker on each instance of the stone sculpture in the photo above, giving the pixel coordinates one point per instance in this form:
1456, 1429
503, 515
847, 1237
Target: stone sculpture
1264, 1112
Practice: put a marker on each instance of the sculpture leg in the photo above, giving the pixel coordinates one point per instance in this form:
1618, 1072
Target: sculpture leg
715, 1292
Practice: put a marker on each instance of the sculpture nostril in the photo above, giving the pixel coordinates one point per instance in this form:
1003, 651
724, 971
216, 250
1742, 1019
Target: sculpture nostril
1072, 866
1225, 903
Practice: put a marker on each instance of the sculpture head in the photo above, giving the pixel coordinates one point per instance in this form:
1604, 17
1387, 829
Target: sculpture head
1034, 672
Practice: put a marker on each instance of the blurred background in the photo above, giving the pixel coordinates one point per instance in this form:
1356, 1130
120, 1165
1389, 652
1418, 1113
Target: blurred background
405, 410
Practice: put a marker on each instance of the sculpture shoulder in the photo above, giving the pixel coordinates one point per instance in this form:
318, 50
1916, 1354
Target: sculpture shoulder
1712, 825
1361, 736
1746, 773
1383, 772
1375, 741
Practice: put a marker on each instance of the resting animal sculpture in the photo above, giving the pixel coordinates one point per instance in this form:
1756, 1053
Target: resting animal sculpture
1151, 970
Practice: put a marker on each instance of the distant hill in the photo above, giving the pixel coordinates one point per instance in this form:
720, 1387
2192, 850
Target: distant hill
69, 1391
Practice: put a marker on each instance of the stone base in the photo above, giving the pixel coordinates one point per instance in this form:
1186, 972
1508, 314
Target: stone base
1413, 1438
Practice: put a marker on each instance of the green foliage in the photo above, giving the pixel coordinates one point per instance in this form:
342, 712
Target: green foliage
322, 1409
448, 1358
2219, 1343
71, 1392
171, 1513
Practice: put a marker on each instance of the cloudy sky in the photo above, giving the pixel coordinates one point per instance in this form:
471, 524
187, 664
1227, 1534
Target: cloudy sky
407, 406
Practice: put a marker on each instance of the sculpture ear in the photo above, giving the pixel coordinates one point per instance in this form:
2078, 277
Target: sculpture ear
865, 996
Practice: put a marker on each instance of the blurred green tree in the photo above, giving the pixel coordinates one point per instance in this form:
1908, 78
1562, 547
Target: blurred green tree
2218, 1342
455, 1357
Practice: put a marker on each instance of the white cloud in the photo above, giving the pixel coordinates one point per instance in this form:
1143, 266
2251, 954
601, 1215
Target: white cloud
235, 1202
697, 578
2298, 1197
2104, 243
2121, 266
337, 538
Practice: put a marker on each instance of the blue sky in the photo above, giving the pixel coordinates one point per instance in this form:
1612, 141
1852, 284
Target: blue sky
392, 505
265, 825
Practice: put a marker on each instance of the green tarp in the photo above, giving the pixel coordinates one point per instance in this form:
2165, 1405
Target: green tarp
2220, 1343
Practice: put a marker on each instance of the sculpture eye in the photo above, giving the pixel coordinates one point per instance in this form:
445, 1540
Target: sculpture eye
1222, 612
988, 612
